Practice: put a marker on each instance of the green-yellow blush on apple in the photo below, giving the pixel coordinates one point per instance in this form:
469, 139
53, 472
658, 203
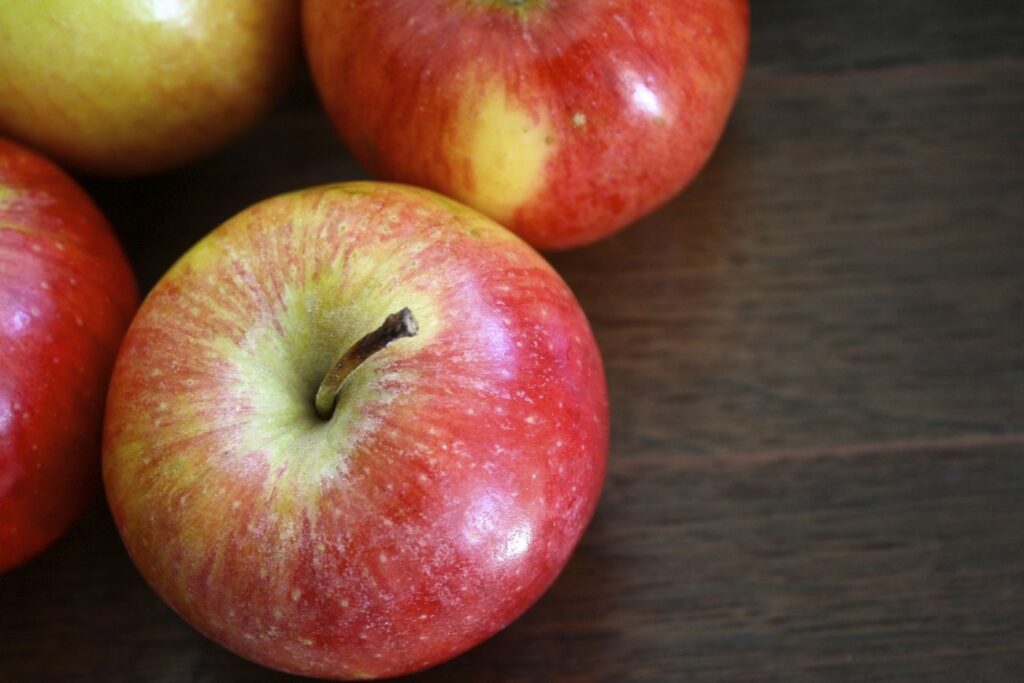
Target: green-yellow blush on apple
431, 494
124, 87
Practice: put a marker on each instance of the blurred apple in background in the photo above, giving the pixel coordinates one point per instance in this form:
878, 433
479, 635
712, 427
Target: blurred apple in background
124, 87
419, 513
564, 120
67, 295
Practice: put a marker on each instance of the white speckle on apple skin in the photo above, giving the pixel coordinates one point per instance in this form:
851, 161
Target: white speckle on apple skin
397, 507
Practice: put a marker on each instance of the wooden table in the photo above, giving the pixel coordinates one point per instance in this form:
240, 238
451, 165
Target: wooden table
816, 366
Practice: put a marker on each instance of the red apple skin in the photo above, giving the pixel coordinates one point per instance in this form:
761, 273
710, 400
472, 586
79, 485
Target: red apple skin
564, 120
67, 295
441, 499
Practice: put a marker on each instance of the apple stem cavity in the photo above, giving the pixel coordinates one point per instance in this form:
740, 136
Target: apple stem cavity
395, 326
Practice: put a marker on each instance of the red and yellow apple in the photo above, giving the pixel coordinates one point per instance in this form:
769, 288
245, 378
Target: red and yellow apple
564, 120
67, 295
124, 87
384, 528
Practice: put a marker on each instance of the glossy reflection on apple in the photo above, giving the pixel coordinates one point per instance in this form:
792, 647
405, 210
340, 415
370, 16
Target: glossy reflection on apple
67, 295
355, 431
564, 121
124, 87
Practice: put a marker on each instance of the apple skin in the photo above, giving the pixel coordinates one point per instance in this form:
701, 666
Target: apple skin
67, 295
126, 87
562, 120
443, 496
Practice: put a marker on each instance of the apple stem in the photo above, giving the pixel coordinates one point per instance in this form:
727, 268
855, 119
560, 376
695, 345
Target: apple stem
395, 326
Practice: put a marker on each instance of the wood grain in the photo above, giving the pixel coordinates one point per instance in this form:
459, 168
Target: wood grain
849, 267
888, 564
816, 365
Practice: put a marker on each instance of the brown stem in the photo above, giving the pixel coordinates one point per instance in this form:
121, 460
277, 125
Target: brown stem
395, 326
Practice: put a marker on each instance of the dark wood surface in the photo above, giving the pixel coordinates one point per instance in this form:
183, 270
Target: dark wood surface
816, 364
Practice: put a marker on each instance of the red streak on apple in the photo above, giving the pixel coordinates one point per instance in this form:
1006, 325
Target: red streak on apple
442, 497
565, 120
67, 295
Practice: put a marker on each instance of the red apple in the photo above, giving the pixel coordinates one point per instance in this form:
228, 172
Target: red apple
564, 120
123, 87
421, 513
67, 295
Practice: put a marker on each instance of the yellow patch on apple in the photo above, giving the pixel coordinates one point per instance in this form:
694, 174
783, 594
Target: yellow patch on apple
508, 150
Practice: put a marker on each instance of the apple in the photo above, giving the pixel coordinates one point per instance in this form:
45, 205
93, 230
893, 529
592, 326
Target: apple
125, 87
563, 120
67, 295
382, 528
